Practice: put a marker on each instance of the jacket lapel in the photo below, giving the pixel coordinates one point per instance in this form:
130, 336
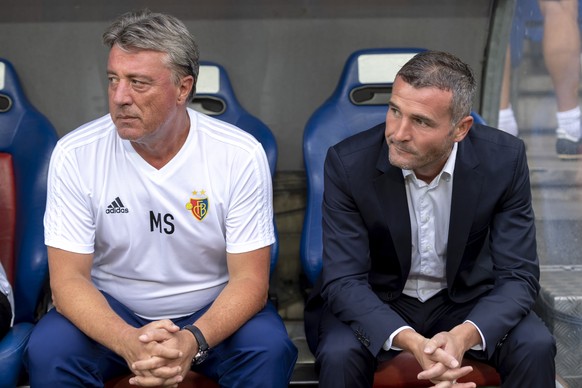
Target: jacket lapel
391, 195
467, 189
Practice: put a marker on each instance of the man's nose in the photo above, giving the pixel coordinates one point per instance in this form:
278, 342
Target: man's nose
120, 93
400, 129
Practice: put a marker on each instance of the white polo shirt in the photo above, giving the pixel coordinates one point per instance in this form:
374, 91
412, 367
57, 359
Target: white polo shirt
160, 237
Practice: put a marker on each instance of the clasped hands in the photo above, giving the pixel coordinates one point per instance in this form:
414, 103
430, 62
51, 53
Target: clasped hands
440, 358
158, 354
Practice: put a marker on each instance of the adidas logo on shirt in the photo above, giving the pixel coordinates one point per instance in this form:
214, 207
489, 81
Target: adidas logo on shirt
116, 207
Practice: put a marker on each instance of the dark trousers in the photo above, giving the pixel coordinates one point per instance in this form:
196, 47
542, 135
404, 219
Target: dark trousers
259, 354
524, 359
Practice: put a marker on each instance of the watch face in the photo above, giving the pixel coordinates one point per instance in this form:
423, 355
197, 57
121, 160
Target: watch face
200, 356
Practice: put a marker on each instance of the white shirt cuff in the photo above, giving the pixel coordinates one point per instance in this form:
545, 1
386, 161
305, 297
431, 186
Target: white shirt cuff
478, 347
388, 344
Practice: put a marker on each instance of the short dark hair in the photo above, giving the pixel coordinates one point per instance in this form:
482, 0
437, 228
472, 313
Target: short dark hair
444, 71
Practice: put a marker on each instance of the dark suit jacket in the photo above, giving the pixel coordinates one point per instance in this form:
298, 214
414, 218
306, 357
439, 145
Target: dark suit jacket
491, 252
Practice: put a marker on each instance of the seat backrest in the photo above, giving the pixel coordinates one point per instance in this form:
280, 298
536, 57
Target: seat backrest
27, 139
215, 97
359, 102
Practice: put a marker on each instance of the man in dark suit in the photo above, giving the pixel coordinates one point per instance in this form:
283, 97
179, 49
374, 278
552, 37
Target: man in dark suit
429, 243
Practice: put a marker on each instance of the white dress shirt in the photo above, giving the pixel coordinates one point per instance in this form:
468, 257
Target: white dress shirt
429, 206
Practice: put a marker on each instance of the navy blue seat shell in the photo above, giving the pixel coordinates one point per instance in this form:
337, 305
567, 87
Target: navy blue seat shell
27, 139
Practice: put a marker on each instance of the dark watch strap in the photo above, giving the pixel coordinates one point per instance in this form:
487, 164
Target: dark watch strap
202, 344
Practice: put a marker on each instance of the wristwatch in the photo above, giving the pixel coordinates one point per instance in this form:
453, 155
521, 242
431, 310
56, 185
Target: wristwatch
203, 349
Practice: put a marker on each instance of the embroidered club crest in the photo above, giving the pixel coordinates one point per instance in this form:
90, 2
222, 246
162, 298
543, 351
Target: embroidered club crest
198, 205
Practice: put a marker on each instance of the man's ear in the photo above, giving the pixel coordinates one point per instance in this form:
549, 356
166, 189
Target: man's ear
462, 128
186, 85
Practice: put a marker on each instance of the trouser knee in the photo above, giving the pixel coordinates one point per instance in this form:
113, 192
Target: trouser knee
52, 340
342, 364
259, 354
526, 357
59, 354
340, 355
533, 350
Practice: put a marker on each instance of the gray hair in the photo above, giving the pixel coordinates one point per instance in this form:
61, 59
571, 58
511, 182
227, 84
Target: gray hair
446, 72
145, 30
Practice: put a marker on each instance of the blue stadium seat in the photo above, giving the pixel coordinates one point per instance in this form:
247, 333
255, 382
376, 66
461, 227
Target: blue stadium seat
215, 97
27, 139
358, 103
